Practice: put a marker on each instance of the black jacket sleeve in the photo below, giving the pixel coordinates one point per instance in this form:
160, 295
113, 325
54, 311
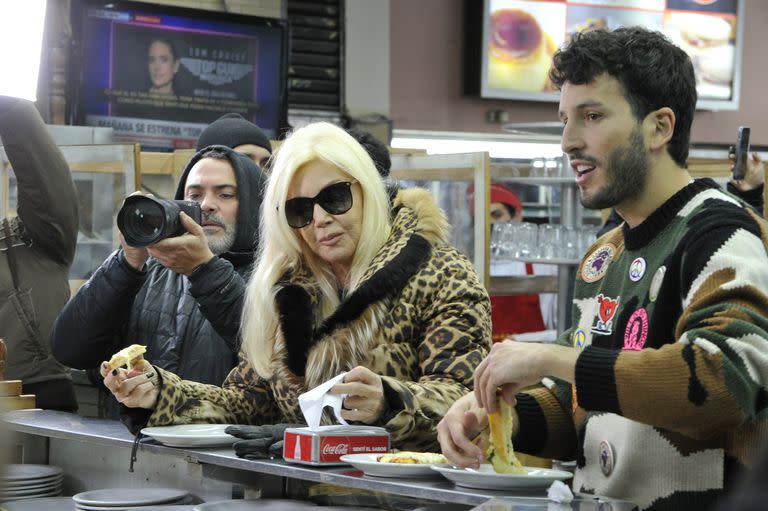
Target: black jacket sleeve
219, 291
47, 197
87, 330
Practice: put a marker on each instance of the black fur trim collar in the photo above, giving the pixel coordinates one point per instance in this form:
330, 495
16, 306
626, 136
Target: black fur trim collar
295, 308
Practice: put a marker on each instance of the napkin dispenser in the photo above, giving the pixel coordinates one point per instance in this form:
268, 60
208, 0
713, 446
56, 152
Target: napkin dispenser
326, 444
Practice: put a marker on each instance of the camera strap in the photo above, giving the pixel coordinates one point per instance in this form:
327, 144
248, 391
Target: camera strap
11, 255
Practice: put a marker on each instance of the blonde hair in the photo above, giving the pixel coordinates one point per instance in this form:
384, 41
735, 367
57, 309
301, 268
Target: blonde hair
283, 250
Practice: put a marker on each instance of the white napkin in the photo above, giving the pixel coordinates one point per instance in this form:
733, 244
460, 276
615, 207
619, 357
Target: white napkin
559, 492
314, 401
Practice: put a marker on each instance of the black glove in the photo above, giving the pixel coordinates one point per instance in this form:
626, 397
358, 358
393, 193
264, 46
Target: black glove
260, 441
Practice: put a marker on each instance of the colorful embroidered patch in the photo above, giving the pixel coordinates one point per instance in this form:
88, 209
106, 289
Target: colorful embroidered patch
608, 308
637, 331
637, 269
596, 264
579, 339
658, 278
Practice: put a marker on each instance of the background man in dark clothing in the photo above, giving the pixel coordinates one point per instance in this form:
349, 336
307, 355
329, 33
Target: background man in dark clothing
36, 250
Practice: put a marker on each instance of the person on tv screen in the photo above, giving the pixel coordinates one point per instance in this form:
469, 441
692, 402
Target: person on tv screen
163, 64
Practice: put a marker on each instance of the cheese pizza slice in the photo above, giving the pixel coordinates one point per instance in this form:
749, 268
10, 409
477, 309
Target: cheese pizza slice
128, 357
500, 452
423, 458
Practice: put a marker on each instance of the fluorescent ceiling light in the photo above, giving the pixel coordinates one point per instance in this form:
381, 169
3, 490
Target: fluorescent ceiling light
21, 40
448, 143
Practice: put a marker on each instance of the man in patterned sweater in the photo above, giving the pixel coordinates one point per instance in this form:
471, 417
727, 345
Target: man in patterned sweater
658, 389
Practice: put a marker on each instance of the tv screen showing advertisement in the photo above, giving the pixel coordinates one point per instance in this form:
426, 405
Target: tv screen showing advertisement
159, 75
519, 38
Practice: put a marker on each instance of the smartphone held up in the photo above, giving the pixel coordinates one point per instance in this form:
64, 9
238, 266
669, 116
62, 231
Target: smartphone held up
741, 151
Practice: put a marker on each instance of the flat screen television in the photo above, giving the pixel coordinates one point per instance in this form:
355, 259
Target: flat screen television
158, 74
513, 42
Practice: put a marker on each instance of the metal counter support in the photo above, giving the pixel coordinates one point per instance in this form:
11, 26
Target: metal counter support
89, 437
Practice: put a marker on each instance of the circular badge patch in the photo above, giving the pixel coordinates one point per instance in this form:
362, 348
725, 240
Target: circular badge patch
637, 331
637, 269
658, 279
579, 339
606, 458
596, 264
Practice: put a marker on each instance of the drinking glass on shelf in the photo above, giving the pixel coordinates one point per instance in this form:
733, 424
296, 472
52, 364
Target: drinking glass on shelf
570, 243
525, 240
550, 241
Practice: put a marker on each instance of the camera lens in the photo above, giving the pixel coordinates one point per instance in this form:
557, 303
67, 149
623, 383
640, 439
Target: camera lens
145, 220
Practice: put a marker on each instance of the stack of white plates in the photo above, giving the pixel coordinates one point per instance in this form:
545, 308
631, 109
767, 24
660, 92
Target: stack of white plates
44, 504
19, 482
118, 499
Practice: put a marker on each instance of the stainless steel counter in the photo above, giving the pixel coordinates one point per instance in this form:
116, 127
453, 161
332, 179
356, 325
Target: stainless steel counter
222, 464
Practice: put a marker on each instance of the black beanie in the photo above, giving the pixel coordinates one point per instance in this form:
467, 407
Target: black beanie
232, 130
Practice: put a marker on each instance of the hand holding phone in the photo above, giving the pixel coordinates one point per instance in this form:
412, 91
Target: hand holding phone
742, 153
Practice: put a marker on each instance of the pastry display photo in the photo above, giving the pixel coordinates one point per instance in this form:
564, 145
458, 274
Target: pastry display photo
521, 42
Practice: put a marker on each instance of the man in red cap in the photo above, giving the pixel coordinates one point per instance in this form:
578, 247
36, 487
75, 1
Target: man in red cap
516, 314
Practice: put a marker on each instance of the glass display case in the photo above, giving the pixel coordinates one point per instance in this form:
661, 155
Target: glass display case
549, 198
103, 175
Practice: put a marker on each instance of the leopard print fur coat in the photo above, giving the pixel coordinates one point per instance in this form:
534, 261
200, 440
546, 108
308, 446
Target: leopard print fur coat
420, 319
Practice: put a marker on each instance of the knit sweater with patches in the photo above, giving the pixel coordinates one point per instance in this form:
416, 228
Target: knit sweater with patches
670, 390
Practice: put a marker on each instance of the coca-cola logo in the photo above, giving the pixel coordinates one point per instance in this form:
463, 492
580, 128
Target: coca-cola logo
336, 450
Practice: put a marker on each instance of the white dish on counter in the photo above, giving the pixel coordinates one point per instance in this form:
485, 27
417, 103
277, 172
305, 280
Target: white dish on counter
370, 465
128, 497
486, 478
31, 472
191, 435
45, 504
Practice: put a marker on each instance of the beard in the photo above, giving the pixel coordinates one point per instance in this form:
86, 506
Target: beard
626, 174
224, 241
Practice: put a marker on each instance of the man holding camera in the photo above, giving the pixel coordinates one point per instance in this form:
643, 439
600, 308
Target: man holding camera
180, 296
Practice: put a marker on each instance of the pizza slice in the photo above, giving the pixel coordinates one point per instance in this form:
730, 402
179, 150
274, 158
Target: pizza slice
423, 458
129, 357
500, 452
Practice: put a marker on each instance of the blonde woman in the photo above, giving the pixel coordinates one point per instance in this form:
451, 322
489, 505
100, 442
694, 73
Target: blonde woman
345, 281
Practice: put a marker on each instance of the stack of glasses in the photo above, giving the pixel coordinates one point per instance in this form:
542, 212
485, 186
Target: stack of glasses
545, 242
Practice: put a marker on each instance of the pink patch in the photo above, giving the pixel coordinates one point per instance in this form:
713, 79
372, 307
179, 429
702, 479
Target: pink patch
637, 331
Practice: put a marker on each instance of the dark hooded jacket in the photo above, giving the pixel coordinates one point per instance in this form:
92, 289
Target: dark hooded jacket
189, 324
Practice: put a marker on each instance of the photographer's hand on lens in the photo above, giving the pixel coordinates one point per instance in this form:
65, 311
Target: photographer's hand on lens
135, 389
260, 441
182, 254
135, 256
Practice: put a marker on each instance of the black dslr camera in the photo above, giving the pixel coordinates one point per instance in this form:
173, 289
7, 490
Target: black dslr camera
145, 220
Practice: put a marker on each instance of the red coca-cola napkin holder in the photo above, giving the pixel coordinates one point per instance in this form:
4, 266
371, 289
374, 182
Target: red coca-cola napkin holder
327, 444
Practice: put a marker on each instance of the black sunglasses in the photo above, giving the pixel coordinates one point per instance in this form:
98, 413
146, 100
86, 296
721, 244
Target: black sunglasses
336, 199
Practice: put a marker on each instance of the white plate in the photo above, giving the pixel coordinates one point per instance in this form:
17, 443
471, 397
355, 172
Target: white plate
162, 507
48, 504
191, 435
370, 465
487, 479
250, 505
18, 472
32, 491
117, 497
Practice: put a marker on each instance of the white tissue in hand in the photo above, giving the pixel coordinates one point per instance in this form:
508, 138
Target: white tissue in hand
559, 492
314, 401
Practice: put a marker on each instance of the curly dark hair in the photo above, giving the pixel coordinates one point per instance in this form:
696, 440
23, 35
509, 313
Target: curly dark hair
653, 72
